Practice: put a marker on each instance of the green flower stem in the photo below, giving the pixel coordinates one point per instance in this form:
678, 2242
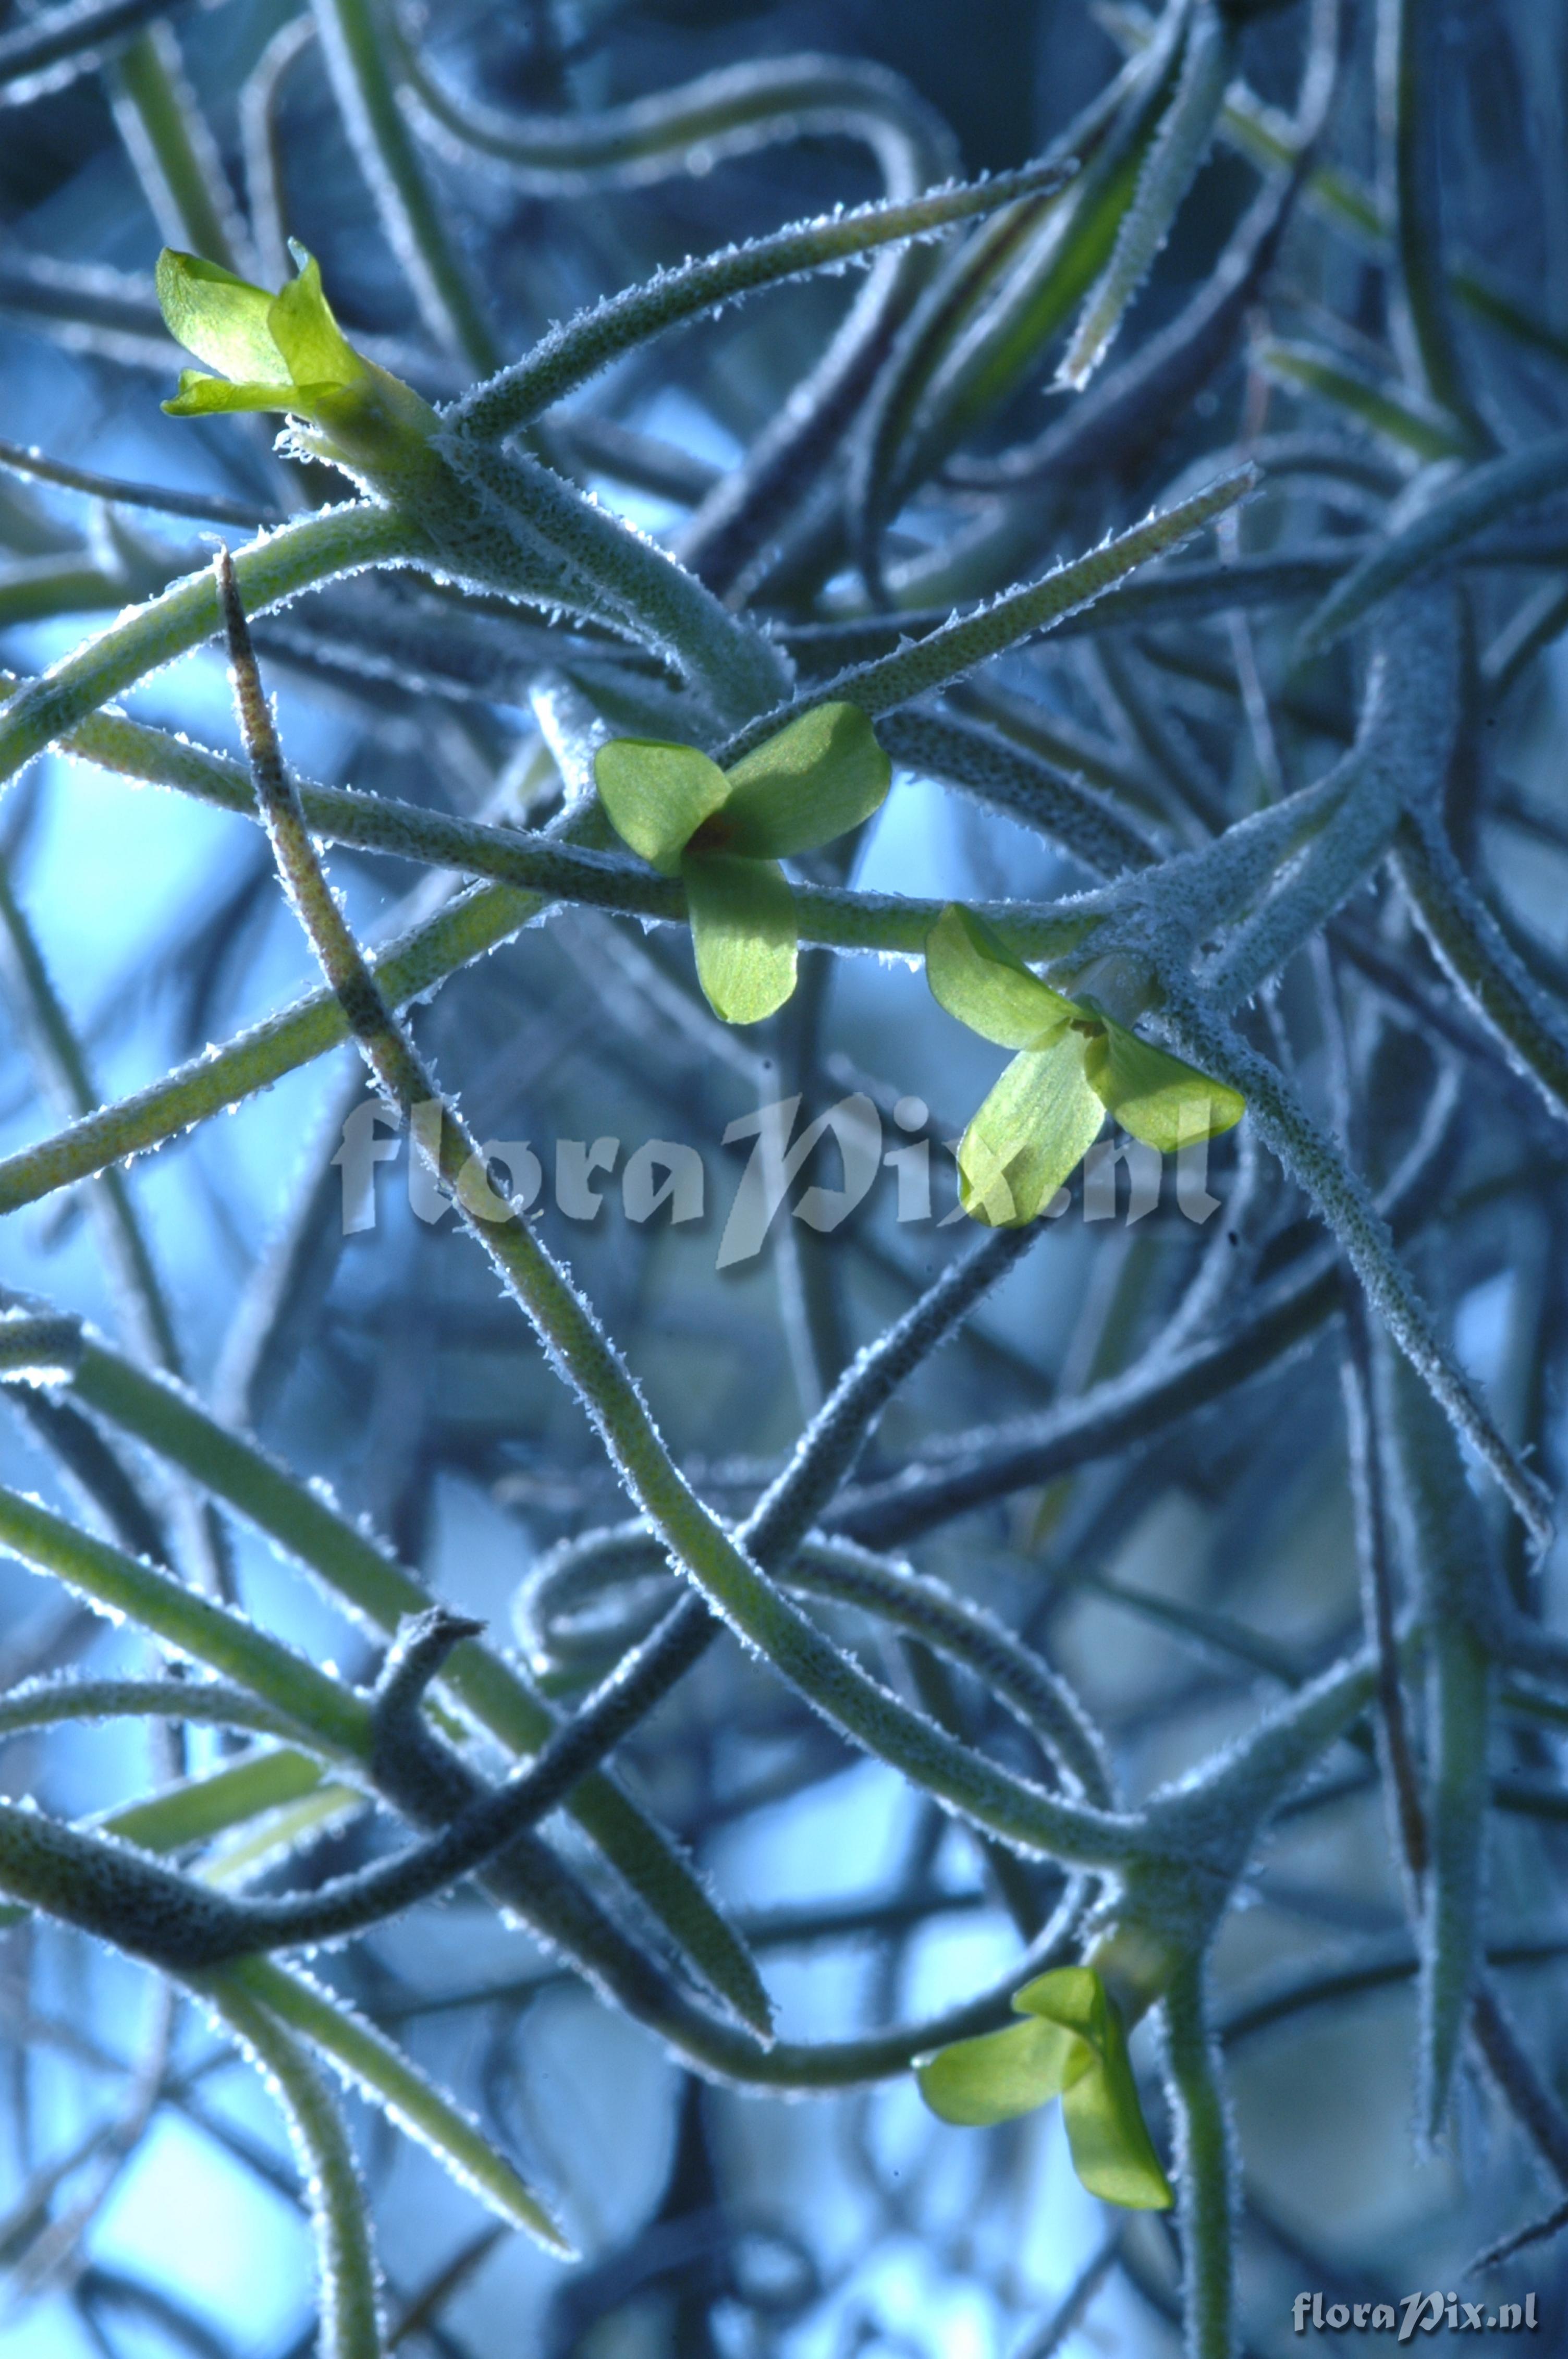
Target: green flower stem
141, 1288
735, 110
465, 930
368, 2059
1167, 172
569, 355
542, 867
945, 654
359, 49
272, 570
206, 507
40, 587
1409, 48
1206, 2167
125, 1587
345, 2262
1270, 141
174, 153
840, 1572
70, 37
514, 525
416, 961
579, 1348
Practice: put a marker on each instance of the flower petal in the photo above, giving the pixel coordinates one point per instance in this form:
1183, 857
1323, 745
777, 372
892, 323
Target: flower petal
221, 318
817, 780
1159, 1099
305, 332
657, 794
974, 975
1112, 2151
1033, 1131
200, 396
744, 932
996, 2078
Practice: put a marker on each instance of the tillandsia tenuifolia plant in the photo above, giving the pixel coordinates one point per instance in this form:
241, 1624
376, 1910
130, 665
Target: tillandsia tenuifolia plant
1060, 512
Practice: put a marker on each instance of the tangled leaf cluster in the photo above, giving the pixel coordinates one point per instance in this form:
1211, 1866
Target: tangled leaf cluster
1179, 483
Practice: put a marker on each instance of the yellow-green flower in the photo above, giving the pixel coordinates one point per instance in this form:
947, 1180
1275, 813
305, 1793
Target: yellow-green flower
723, 833
1075, 1065
1071, 2044
286, 352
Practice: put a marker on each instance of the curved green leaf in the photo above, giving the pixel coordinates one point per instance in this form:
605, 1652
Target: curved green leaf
1154, 1095
744, 932
974, 975
657, 794
817, 780
1033, 1131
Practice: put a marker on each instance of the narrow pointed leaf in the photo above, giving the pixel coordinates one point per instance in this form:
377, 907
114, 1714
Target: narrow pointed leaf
657, 794
1033, 1131
974, 975
978, 2082
1178, 150
1154, 1095
744, 932
220, 317
817, 780
382, 2071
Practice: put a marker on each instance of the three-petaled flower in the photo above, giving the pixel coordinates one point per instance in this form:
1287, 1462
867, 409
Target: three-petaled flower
723, 833
286, 353
1075, 1065
1072, 2045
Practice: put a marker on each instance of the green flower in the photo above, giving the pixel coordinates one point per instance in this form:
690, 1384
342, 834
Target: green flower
1072, 2046
723, 833
286, 353
1075, 1064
